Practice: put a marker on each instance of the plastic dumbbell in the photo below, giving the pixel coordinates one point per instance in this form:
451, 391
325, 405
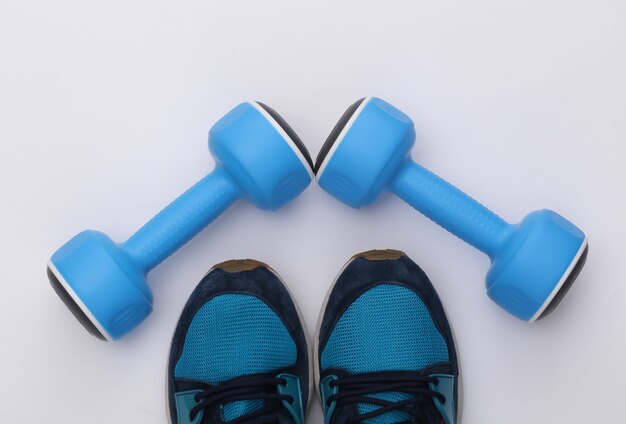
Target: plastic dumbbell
258, 157
533, 264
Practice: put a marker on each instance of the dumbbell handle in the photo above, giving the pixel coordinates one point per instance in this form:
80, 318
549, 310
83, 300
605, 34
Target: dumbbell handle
451, 208
182, 220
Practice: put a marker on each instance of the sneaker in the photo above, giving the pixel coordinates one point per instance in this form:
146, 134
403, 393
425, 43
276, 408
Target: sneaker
240, 352
384, 351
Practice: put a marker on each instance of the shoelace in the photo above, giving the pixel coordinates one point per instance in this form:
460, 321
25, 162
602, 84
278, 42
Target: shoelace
247, 388
359, 388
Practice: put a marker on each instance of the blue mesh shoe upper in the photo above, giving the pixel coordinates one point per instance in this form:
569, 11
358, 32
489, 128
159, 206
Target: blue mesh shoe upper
384, 342
234, 335
239, 352
387, 328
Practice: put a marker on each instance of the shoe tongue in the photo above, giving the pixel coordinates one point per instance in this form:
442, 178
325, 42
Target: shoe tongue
396, 417
228, 411
389, 417
234, 410
425, 403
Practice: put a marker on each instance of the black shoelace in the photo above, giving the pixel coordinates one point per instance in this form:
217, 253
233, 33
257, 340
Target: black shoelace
359, 388
246, 388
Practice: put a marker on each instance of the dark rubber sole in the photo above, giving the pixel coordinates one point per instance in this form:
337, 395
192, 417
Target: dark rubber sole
334, 134
290, 132
566, 285
73, 306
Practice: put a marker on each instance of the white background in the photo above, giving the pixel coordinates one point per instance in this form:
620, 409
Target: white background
104, 113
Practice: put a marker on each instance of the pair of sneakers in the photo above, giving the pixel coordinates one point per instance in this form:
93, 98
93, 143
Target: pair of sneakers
384, 350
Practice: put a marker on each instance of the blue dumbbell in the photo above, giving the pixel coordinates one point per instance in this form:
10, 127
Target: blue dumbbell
533, 264
258, 157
